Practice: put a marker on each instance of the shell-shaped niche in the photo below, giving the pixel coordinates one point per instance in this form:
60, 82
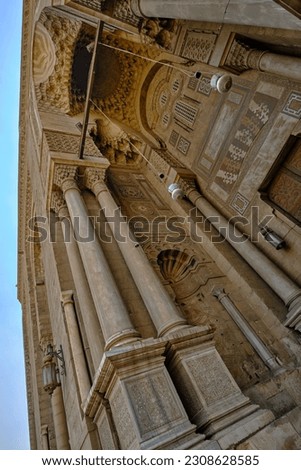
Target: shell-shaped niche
54, 42
44, 58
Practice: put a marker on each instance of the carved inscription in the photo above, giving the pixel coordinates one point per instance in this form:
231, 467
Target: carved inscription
123, 420
211, 377
256, 117
153, 402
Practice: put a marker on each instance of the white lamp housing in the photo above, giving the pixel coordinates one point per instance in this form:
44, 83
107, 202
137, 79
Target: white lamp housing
175, 191
221, 82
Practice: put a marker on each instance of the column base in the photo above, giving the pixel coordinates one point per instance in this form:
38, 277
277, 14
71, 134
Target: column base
121, 338
211, 396
146, 409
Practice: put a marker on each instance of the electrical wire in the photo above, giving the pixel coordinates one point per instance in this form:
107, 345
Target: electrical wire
126, 136
189, 74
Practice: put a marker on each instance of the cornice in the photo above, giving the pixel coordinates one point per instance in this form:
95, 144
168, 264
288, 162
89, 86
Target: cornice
25, 72
30, 8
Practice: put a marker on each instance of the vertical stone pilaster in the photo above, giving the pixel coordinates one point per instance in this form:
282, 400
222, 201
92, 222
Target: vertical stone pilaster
59, 420
44, 437
80, 365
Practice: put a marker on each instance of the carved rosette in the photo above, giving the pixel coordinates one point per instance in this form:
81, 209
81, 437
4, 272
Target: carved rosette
65, 177
95, 179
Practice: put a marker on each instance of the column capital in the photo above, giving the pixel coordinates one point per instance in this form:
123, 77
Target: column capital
218, 292
58, 204
94, 179
190, 189
242, 57
67, 298
44, 341
65, 177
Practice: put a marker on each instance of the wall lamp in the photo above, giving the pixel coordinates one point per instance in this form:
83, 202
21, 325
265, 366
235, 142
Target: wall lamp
50, 371
221, 82
272, 237
175, 190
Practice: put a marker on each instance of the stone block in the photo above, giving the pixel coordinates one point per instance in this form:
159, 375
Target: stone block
276, 436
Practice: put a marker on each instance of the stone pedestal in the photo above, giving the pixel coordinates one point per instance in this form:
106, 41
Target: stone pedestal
145, 406
209, 393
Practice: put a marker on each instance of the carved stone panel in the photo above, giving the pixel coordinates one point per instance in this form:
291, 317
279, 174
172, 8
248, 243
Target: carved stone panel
68, 143
198, 46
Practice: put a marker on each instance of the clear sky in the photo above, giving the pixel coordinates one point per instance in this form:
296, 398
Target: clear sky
13, 409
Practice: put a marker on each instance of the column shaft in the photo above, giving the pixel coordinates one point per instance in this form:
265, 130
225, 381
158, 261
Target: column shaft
161, 308
289, 67
90, 320
76, 346
113, 316
281, 284
263, 352
59, 420
260, 13
112, 313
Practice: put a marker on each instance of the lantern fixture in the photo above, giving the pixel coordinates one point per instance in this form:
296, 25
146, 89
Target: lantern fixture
272, 237
50, 371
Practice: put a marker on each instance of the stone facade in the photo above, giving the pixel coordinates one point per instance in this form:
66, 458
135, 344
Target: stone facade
153, 321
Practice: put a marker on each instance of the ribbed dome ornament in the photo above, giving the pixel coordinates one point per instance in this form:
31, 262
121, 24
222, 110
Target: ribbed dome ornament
175, 264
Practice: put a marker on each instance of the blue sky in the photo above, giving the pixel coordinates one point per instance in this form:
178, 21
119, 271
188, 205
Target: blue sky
13, 409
